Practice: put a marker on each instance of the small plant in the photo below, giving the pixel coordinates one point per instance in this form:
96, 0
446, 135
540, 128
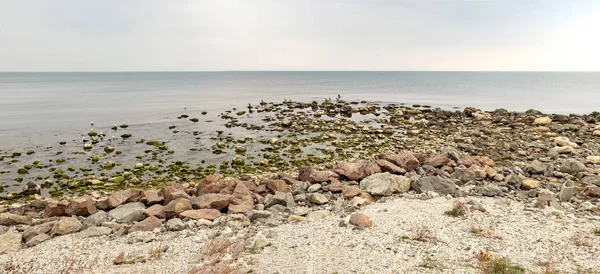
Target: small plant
195, 120
488, 264
403, 238
429, 263
580, 239
597, 231
423, 233
459, 208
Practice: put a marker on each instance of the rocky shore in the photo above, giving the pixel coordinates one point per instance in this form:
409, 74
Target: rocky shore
469, 162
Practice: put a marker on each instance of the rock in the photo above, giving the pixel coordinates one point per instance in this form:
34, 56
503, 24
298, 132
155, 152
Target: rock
280, 198
593, 160
572, 166
596, 133
358, 202
173, 208
33, 231
141, 237
120, 197
384, 184
31, 189
542, 121
317, 215
295, 218
529, 184
564, 141
490, 171
207, 214
55, 208
387, 166
300, 187
10, 219
439, 161
243, 199
563, 150
150, 197
213, 184
466, 161
83, 206
312, 175
96, 219
260, 241
404, 159
94, 231
463, 174
318, 198
177, 224
212, 200
10, 242
535, 167
66, 225
102, 204
513, 180
484, 161
592, 191
128, 213
36, 240
356, 171
149, 224
435, 184
313, 188
258, 214
360, 220
278, 185
334, 187
489, 190
349, 191
155, 210
172, 192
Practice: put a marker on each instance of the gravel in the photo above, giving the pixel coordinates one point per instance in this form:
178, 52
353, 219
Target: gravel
511, 229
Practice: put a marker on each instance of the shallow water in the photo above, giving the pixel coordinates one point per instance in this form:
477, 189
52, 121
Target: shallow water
39, 110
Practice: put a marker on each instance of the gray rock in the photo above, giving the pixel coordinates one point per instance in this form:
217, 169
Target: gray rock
66, 225
175, 224
96, 219
314, 188
572, 166
94, 231
535, 167
300, 187
435, 184
10, 242
590, 180
383, 184
141, 237
489, 190
463, 174
280, 198
33, 231
513, 180
319, 214
128, 213
9, 219
38, 239
300, 198
318, 198
257, 214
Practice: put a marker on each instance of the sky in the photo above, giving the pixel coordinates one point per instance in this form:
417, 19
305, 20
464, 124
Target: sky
202, 35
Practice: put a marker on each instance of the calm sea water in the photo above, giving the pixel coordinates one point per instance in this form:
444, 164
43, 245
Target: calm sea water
39, 106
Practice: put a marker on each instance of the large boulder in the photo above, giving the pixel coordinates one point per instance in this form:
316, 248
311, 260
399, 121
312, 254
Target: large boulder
120, 197
312, 175
155, 211
66, 225
10, 242
82, 206
439, 161
128, 213
387, 166
278, 185
356, 171
96, 219
243, 199
383, 184
318, 198
196, 214
173, 191
148, 224
464, 175
403, 159
212, 200
213, 184
33, 231
55, 208
572, 166
175, 207
349, 191
435, 184
9, 219
151, 197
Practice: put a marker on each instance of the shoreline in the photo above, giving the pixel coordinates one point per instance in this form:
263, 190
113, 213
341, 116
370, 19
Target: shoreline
547, 163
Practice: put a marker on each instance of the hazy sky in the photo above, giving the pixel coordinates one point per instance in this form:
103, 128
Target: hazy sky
124, 35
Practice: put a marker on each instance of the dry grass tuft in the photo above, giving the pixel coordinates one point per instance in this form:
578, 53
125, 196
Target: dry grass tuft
423, 233
488, 264
459, 208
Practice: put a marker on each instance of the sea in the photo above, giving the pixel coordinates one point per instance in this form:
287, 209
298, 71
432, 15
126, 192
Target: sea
37, 106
